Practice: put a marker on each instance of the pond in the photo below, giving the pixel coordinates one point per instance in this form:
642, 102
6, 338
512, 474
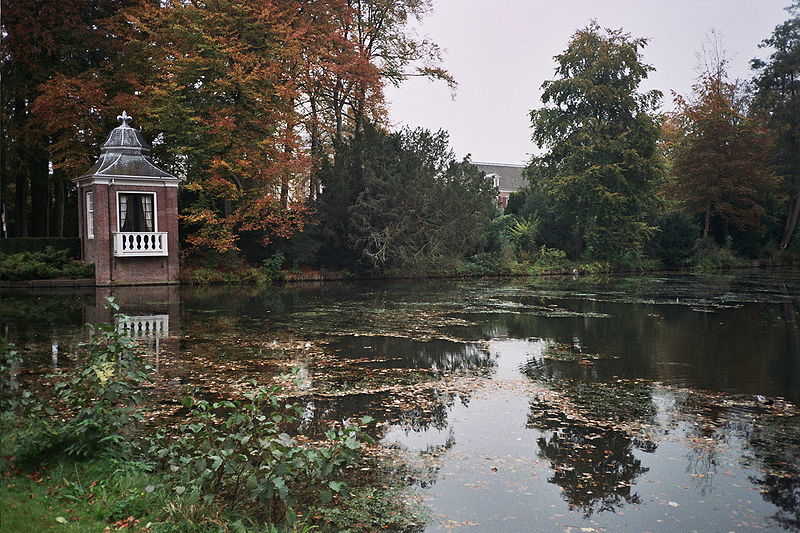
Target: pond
641, 403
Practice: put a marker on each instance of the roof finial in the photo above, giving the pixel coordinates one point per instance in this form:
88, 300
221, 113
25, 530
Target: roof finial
124, 118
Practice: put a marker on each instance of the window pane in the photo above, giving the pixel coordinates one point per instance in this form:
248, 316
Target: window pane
90, 215
136, 212
147, 207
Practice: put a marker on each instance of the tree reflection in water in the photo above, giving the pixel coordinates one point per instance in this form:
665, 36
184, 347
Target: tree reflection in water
428, 410
593, 463
437, 355
594, 467
776, 445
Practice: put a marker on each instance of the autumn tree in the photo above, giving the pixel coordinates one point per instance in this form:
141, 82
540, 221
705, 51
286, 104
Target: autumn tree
368, 45
212, 84
237, 90
721, 157
598, 134
384, 52
777, 99
243, 99
41, 41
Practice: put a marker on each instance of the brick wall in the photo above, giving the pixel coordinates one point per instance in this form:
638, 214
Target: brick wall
110, 270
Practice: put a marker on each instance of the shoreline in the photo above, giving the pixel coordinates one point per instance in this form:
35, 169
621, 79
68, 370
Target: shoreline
289, 277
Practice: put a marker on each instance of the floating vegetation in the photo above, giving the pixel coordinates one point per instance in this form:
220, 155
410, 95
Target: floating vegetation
512, 308
557, 351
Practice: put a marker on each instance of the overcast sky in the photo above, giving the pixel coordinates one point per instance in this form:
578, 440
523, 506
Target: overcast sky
500, 52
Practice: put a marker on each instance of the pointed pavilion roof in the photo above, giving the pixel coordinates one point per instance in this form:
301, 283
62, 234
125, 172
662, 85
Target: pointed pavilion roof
125, 154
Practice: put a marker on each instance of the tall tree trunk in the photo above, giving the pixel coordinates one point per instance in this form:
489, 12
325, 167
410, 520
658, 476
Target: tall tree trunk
287, 149
791, 223
707, 225
21, 177
361, 106
20, 212
316, 152
58, 212
285, 192
38, 163
338, 108
3, 165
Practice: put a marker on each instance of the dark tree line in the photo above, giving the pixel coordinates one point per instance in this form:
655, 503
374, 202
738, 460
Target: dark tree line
273, 113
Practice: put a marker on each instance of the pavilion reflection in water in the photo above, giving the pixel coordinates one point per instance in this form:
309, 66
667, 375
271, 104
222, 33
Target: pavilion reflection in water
149, 315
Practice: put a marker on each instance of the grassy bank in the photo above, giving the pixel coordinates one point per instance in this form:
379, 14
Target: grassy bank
82, 496
703, 256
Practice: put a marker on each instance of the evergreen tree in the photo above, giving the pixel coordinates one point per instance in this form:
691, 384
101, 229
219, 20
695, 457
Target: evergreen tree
599, 133
400, 200
777, 97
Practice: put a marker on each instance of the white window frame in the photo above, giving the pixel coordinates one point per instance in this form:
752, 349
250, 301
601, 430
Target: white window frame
90, 214
155, 208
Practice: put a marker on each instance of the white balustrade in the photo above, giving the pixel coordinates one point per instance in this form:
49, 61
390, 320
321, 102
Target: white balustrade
144, 327
140, 243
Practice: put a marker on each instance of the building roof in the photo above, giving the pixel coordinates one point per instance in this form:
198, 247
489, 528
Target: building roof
510, 176
125, 154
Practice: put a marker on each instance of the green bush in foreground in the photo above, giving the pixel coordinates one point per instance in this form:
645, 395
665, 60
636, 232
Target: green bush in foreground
240, 453
94, 408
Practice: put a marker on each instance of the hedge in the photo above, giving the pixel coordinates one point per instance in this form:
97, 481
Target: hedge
37, 244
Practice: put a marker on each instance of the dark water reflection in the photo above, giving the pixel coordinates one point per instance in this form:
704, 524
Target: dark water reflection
596, 470
651, 424
438, 355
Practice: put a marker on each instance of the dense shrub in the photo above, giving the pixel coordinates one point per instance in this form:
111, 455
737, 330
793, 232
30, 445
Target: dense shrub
47, 264
212, 268
674, 241
551, 257
708, 256
15, 245
241, 453
516, 203
523, 232
496, 235
396, 201
231, 458
95, 403
489, 264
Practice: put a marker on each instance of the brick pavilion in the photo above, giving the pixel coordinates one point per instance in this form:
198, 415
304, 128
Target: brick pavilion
128, 213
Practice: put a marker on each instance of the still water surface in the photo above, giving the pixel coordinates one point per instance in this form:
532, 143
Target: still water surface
627, 404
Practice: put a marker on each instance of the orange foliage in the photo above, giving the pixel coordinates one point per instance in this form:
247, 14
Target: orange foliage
242, 97
721, 155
